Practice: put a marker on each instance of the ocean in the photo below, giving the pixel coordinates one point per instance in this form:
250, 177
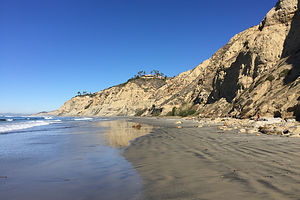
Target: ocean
62, 158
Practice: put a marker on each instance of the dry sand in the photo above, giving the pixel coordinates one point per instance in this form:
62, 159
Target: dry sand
206, 163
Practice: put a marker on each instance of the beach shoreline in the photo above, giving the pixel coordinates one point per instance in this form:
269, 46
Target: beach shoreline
181, 160
62, 161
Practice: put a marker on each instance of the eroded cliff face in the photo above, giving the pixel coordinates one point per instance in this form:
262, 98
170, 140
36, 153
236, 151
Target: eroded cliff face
257, 71
123, 100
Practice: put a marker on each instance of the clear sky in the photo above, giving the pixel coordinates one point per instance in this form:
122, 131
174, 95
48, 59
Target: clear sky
50, 49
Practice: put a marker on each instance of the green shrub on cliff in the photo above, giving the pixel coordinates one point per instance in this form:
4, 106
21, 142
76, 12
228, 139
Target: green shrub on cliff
173, 112
184, 111
270, 78
139, 112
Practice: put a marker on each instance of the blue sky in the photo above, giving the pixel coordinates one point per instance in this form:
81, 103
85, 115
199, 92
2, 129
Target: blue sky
50, 49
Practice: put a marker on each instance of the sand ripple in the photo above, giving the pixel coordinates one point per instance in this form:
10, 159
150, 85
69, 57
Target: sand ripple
200, 163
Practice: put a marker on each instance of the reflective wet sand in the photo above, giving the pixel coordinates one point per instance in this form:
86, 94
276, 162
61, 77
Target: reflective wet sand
72, 163
121, 132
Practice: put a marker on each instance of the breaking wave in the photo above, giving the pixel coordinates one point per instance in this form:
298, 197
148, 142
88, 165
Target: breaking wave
82, 119
4, 128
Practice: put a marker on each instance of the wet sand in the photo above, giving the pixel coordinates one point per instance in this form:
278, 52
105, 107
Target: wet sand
70, 162
206, 163
121, 132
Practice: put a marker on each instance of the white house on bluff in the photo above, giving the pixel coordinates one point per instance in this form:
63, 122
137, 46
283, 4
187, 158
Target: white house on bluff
150, 76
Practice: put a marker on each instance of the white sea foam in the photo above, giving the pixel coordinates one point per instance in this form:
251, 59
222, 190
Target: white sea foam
48, 117
84, 118
9, 120
23, 125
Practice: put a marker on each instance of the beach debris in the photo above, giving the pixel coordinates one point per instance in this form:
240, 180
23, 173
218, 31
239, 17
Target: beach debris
269, 126
242, 130
269, 130
179, 126
179, 122
198, 126
225, 128
265, 122
290, 120
257, 134
137, 126
252, 131
286, 131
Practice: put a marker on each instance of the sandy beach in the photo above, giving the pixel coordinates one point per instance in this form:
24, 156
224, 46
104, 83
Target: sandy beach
112, 159
207, 163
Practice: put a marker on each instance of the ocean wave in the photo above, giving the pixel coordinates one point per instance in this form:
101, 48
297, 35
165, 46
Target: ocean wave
9, 119
24, 125
48, 117
82, 119
6, 120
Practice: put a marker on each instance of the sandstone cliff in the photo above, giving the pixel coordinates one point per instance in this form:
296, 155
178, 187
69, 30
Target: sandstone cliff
257, 71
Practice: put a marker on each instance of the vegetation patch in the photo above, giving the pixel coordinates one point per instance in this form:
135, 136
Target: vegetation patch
156, 112
153, 74
139, 112
84, 93
173, 112
270, 78
184, 111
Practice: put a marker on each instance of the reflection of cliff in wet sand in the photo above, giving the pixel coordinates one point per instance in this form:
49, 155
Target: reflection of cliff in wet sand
121, 132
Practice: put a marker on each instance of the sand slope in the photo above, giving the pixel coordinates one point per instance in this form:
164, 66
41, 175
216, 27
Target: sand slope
205, 163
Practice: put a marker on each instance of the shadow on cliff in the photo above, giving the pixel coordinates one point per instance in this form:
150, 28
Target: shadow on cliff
291, 52
228, 87
291, 49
